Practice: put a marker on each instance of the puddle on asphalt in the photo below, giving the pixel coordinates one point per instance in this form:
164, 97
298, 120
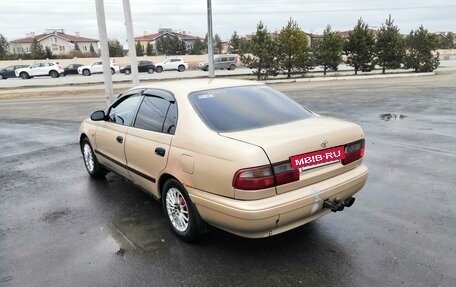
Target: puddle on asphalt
390, 116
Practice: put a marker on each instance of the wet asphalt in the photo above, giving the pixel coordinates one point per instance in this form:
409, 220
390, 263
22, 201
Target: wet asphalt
58, 227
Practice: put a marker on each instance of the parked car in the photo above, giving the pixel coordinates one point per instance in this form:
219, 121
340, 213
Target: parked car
200, 147
96, 67
71, 69
40, 69
220, 62
171, 64
9, 72
143, 66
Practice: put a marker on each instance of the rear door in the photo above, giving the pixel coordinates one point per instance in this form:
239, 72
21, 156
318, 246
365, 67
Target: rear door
111, 134
97, 67
149, 140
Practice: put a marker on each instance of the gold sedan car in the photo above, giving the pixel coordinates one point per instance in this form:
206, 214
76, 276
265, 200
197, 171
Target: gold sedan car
234, 154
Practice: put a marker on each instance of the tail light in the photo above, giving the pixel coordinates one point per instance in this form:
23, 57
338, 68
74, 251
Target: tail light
353, 151
265, 176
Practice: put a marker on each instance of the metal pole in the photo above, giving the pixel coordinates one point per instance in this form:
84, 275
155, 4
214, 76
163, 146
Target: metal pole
131, 43
210, 47
104, 52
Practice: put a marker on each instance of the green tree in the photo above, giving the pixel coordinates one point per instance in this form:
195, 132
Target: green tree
390, 46
92, 50
115, 48
76, 46
218, 45
448, 42
293, 50
139, 49
234, 45
420, 45
328, 50
36, 50
263, 54
360, 48
198, 47
48, 53
3, 47
149, 49
171, 45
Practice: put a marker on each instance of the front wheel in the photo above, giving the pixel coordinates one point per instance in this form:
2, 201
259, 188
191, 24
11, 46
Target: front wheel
86, 72
181, 68
127, 72
180, 212
159, 69
232, 67
113, 71
150, 70
24, 75
53, 74
92, 165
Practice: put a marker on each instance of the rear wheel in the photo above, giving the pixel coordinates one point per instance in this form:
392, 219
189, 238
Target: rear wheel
113, 71
181, 68
94, 169
180, 212
127, 72
159, 69
232, 67
86, 72
2, 77
150, 70
24, 75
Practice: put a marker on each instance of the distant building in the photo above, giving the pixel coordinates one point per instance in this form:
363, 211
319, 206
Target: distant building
152, 38
57, 40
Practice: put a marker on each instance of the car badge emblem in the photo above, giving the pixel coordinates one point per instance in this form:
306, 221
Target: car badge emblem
324, 143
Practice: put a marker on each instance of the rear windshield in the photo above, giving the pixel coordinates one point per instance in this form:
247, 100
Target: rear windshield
245, 107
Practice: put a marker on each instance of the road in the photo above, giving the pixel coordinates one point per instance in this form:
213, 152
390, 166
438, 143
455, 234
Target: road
58, 227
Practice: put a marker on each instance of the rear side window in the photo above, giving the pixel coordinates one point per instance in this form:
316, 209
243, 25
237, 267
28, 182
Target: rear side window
245, 107
156, 114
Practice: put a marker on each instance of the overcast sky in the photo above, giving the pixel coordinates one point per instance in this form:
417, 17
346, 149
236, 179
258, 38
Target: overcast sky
20, 17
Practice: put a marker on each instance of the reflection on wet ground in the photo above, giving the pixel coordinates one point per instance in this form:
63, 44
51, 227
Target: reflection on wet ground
390, 116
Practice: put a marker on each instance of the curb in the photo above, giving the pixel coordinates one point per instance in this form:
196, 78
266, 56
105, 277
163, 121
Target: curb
346, 78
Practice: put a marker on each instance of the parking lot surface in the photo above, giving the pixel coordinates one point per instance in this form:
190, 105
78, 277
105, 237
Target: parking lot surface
58, 227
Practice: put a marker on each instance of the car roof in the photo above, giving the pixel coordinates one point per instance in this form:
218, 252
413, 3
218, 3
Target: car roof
185, 87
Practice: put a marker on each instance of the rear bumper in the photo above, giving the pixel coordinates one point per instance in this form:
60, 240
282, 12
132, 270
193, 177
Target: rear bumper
276, 214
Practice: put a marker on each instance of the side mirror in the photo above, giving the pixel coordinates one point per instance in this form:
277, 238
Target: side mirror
98, 116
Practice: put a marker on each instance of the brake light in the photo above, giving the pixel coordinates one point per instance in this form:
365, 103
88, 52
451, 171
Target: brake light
265, 176
354, 151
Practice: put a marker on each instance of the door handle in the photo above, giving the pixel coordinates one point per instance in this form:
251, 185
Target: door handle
160, 151
119, 139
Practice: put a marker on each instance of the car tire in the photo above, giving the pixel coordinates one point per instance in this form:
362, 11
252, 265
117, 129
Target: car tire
93, 167
24, 75
159, 69
181, 68
150, 70
127, 72
206, 68
181, 213
2, 77
86, 72
54, 74
113, 71
232, 67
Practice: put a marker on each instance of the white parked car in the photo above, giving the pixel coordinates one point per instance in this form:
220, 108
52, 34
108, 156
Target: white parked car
171, 64
40, 69
96, 67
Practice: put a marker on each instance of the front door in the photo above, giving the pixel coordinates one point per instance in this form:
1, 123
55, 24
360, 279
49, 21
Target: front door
111, 134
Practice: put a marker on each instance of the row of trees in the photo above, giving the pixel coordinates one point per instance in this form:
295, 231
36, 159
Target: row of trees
289, 52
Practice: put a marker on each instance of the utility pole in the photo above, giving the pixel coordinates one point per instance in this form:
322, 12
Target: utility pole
109, 90
210, 46
131, 43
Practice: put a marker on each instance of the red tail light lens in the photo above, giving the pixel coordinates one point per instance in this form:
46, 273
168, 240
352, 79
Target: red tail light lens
353, 152
265, 176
